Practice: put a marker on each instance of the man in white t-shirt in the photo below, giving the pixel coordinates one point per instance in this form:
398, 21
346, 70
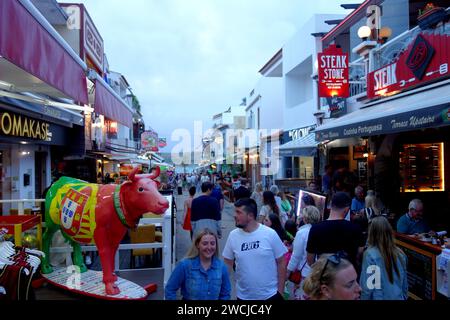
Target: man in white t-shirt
258, 253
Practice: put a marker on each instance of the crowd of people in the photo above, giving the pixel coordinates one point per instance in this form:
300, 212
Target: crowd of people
348, 254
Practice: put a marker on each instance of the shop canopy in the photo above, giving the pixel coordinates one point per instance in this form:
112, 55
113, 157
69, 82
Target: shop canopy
108, 103
304, 147
35, 58
427, 109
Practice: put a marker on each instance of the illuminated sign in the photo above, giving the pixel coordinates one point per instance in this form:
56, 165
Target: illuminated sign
12, 124
150, 141
426, 59
333, 73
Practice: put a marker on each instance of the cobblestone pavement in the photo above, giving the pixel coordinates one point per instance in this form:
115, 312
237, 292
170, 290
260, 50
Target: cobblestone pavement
183, 240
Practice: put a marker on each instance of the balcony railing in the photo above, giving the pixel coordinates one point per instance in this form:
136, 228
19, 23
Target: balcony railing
388, 53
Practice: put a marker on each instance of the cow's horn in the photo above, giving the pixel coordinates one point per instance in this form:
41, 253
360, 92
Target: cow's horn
156, 173
132, 174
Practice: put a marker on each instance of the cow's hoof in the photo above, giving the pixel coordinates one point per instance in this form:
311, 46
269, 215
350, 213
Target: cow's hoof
111, 289
46, 269
83, 268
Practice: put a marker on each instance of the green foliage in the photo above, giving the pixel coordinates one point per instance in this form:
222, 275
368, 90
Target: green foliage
136, 103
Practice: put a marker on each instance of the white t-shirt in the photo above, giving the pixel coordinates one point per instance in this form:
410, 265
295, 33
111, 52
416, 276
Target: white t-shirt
299, 254
255, 255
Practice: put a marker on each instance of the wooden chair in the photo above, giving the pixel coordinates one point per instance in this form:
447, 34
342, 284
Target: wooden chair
142, 234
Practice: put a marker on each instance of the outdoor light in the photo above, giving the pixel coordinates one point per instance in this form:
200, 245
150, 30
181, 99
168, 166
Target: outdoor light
385, 33
364, 32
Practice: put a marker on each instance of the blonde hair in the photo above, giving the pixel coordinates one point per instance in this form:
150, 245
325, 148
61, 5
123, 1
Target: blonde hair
311, 215
371, 202
319, 276
381, 237
193, 251
258, 187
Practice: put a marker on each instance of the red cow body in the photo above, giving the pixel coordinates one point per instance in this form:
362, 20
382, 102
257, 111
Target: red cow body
116, 209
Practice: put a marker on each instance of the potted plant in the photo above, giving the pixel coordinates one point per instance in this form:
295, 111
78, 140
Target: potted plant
431, 16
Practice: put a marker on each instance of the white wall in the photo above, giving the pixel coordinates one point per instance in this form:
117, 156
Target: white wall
299, 56
270, 103
72, 37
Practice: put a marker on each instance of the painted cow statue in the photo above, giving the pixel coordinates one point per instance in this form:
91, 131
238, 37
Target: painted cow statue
89, 214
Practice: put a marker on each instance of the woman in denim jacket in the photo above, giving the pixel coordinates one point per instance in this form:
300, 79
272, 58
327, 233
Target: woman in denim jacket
201, 275
383, 274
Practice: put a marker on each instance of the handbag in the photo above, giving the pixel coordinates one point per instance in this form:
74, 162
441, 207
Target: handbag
296, 276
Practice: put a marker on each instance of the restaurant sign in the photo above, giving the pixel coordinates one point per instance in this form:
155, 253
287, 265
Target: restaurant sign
16, 125
337, 106
431, 117
149, 141
333, 73
424, 60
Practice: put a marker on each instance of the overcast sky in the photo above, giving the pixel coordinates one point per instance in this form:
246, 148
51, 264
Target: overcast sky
187, 60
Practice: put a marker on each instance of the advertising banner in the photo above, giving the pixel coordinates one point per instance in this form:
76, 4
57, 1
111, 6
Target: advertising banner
425, 59
149, 141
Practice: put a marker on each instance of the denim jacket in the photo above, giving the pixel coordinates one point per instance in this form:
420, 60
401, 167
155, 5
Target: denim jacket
199, 284
398, 290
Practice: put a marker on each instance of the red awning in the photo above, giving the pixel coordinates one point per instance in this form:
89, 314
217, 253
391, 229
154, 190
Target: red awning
109, 104
26, 43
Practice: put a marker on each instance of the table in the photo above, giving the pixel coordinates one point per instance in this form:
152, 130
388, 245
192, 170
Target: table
16, 225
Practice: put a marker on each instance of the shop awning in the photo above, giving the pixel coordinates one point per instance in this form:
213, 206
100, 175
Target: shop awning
427, 109
61, 116
35, 58
108, 103
303, 147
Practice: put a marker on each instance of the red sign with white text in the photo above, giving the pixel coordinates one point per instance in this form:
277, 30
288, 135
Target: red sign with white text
424, 60
333, 73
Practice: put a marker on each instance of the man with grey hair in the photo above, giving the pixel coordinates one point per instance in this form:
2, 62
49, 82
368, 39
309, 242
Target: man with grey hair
358, 203
412, 222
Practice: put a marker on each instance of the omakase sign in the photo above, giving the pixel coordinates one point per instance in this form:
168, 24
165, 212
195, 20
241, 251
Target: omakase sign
425, 59
12, 124
333, 73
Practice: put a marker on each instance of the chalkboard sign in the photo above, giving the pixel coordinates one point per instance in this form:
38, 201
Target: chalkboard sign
420, 272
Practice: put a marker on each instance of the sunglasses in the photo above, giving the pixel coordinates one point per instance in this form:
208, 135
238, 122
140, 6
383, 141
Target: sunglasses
335, 259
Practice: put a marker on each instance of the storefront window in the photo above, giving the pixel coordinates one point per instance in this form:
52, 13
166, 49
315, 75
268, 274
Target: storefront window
288, 167
422, 167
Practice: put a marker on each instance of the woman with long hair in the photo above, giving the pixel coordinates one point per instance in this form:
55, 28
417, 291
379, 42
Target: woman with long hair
384, 257
269, 206
273, 221
201, 275
332, 277
257, 195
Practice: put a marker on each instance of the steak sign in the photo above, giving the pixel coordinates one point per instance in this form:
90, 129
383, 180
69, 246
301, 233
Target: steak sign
426, 59
333, 73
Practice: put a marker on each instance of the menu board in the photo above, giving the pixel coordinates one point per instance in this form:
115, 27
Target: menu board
421, 270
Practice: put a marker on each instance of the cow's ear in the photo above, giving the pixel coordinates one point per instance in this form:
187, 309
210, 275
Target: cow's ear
132, 174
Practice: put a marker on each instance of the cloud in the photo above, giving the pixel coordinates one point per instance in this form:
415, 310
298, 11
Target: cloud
187, 60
